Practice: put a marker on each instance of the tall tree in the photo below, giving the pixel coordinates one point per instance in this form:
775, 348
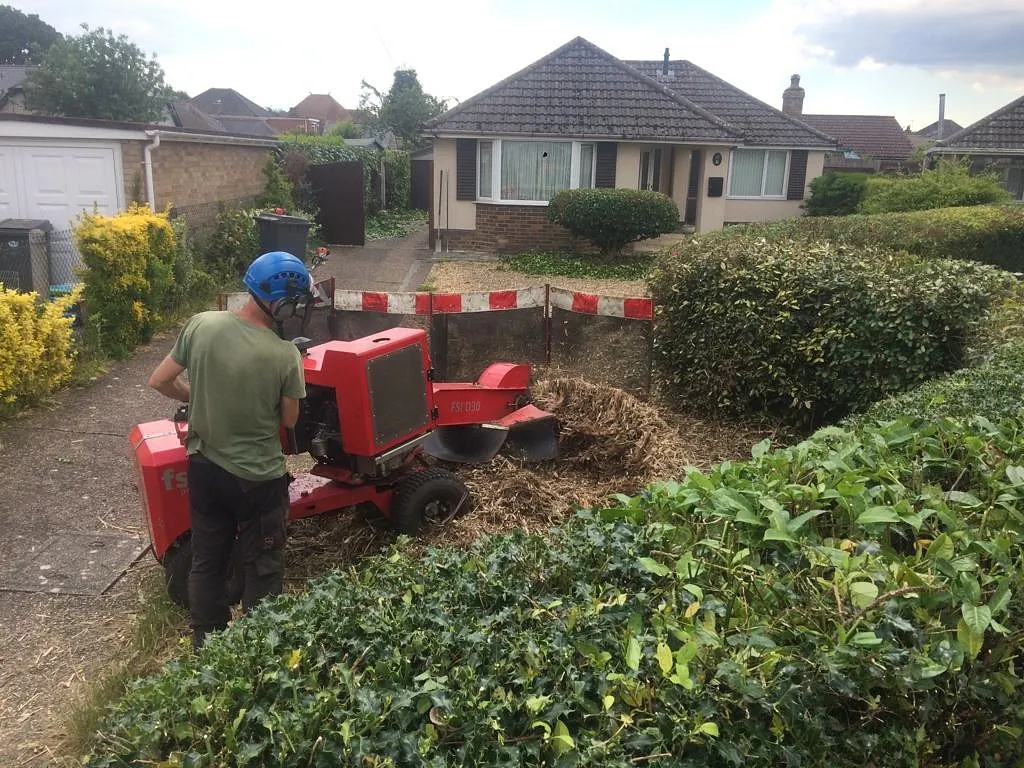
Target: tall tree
99, 75
403, 109
23, 36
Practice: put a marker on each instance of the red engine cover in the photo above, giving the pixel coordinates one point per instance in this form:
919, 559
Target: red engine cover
163, 481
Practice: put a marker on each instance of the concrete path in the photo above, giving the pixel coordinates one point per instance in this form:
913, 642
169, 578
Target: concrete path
395, 264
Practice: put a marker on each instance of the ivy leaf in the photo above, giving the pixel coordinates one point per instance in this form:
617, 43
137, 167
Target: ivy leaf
1015, 474
977, 617
863, 593
607, 702
561, 741
633, 653
866, 639
708, 729
665, 660
878, 515
941, 548
691, 609
965, 499
970, 642
652, 565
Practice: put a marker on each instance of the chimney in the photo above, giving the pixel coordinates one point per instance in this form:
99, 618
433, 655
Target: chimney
942, 117
664, 68
793, 98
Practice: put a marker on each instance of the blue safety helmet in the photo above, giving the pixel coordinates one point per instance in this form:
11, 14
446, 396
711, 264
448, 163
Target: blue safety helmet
277, 275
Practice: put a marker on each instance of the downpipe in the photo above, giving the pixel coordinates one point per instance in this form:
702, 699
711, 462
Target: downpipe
147, 165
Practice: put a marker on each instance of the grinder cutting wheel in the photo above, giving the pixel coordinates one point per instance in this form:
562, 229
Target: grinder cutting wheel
370, 416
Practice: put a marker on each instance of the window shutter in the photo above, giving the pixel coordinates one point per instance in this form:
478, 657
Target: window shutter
797, 174
465, 169
607, 155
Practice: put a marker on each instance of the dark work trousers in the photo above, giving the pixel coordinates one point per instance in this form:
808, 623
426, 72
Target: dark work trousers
224, 506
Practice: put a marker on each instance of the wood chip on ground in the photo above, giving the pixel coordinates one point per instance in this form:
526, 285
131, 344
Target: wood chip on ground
459, 276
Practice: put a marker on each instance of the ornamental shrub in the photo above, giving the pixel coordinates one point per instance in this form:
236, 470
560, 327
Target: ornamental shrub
128, 277
806, 331
855, 600
836, 194
991, 234
277, 190
36, 347
611, 218
949, 184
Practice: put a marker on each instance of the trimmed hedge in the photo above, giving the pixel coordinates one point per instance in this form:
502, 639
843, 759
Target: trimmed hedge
36, 347
129, 275
947, 185
987, 234
855, 600
611, 218
836, 194
806, 331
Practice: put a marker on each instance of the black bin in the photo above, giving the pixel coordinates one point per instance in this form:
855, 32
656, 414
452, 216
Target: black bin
283, 233
24, 255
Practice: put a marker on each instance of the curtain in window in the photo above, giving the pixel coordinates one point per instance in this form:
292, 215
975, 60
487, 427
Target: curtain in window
534, 170
486, 168
586, 166
747, 172
775, 178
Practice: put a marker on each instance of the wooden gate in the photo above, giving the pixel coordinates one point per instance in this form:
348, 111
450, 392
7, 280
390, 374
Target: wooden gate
338, 190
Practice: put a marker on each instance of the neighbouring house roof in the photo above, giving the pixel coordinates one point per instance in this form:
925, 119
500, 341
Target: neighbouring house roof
876, 136
760, 123
932, 131
185, 114
227, 101
1001, 130
38, 126
321, 106
250, 126
580, 90
12, 78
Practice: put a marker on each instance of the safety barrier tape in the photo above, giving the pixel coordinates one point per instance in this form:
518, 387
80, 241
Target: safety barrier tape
607, 306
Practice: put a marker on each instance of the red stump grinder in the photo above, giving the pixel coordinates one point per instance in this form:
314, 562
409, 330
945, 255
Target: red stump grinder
371, 416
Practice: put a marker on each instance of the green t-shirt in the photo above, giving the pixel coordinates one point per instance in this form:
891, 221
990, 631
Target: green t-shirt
237, 374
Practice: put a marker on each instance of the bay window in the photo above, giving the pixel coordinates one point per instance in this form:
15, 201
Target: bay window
758, 173
532, 171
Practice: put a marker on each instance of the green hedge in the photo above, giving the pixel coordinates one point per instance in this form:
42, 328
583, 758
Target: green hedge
836, 194
398, 176
809, 331
855, 600
611, 218
949, 184
988, 234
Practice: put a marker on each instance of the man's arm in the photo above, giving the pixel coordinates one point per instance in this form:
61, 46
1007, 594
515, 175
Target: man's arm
289, 412
165, 380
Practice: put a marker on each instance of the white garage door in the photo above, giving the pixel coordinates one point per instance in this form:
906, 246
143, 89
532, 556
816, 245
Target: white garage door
56, 181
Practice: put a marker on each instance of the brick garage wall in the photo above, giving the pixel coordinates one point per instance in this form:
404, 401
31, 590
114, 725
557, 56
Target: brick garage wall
134, 174
513, 229
191, 173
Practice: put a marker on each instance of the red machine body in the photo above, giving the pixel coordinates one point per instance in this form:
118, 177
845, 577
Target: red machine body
371, 406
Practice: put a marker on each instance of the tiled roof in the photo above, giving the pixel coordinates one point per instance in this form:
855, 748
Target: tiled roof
580, 90
760, 123
876, 136
185, 114
321, 106
932, 131
227, 101
1003, 129
247, 125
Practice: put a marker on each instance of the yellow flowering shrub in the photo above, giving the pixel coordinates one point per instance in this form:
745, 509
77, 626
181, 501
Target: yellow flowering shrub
129, 274
36, 346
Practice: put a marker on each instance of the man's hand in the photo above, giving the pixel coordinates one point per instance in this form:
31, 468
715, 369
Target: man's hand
165, 380
289, 412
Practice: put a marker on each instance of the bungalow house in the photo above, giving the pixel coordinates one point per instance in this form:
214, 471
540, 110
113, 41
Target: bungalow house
579, 117
323, 108
994, 143
12, 88
240, 115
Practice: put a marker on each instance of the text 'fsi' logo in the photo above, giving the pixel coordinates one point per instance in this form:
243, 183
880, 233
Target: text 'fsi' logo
175, 480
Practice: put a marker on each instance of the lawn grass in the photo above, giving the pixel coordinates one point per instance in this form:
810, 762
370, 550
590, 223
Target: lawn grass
394, 224
567, 264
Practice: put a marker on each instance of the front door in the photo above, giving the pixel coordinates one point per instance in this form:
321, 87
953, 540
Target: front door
693, 188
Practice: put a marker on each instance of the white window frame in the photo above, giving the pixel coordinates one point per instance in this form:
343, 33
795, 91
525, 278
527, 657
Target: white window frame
764, 173
496, 198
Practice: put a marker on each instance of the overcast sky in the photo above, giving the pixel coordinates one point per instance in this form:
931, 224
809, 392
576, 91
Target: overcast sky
887, 57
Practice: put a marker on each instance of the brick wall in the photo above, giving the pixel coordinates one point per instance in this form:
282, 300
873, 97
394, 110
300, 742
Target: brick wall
190, 173
513, 229
133, 172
